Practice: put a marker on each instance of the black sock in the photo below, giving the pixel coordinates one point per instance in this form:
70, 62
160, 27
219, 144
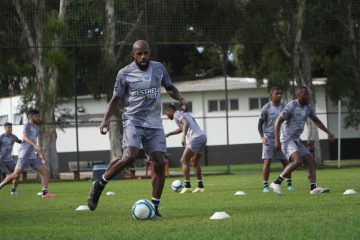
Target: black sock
156, 203
103, 181
279, 180
45, 191
266, 184
288, 180
200, 184
187, 184
312, 186
13, 190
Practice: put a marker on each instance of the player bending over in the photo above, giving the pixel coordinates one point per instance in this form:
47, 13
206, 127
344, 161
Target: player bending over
267, 119
192, 152
7, 161
27, 154
138, 86
292, 120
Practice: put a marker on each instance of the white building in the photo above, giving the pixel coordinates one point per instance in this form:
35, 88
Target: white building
207, 100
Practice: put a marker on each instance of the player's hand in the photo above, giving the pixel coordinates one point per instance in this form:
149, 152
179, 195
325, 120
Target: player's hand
264, 141
183, 142
184, 104
331, 136
277, 145
104, 126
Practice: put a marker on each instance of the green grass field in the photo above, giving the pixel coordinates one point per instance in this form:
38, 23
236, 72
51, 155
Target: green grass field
294, 215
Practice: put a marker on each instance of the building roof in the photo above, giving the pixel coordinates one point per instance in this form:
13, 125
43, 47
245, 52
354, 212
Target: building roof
234, 83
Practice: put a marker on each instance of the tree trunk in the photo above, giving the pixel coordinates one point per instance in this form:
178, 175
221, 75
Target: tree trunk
116, 128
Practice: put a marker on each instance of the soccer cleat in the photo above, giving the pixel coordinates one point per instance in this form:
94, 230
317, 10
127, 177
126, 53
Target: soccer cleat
95, 195
266, 189
157, 214
290, 188
48, 195
186, 190
319, 190
276, 188
196, 190
13, 193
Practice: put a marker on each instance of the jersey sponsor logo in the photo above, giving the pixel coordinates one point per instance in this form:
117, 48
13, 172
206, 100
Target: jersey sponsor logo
148, 92
147, 78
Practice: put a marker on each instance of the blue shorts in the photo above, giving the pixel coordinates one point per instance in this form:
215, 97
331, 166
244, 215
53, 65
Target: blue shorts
7, 166
294, 145
152, 139
197, 144
269, 151
24, 163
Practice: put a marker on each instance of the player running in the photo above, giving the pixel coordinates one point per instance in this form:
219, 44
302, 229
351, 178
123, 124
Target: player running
295, 115
7, 161
27, 154
193, 147
138, 85
267, 119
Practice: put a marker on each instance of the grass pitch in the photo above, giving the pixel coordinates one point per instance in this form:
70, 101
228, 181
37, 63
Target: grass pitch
294, 215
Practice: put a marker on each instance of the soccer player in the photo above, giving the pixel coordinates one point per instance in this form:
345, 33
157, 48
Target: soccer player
267, 119
27, 154
192, 152
138, 86
292, 120
7, 161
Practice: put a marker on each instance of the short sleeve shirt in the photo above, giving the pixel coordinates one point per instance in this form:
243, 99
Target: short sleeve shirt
269, 113
295, 116
27, 150
6, 146
141, 92
194, 129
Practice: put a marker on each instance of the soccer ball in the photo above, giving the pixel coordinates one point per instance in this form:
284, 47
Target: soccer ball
143, 209
176, 185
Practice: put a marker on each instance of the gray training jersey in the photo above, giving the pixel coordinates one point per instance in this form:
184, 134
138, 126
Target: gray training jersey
6, 146
269, 114
141, 92
26, 150
194, 129
295, 117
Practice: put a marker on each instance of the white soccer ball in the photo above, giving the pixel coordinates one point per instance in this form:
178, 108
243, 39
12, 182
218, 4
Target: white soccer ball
143, 209
176, 185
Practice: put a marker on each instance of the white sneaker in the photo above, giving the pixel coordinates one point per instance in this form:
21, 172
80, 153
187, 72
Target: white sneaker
276, 188
13, 193
319, 190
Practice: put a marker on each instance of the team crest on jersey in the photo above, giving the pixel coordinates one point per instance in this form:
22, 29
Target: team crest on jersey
147, 78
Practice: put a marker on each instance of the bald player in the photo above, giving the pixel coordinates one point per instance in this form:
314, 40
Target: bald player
292, 121
138, 86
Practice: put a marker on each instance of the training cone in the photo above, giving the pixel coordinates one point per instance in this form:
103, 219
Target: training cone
349, 192
82, 208
240, 193
219, 215
110, 194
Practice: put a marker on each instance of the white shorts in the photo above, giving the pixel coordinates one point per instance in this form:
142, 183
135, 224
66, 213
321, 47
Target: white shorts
269, 151
24, 163
197, 144
294, 145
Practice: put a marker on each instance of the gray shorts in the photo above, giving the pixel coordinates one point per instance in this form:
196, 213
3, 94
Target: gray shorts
152, 139
269, 151
24, 163
7, 166
197, 144
294, 145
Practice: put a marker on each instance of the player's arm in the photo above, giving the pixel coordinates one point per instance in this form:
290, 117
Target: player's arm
177, 131
320, 125
175, 94
111, 109
17, 140
261, 131
278, 123
185, 128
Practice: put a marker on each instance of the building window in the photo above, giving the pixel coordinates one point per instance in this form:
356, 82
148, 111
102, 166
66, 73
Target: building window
257, 103
177, 105
220, 105
18, 119
3, 119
